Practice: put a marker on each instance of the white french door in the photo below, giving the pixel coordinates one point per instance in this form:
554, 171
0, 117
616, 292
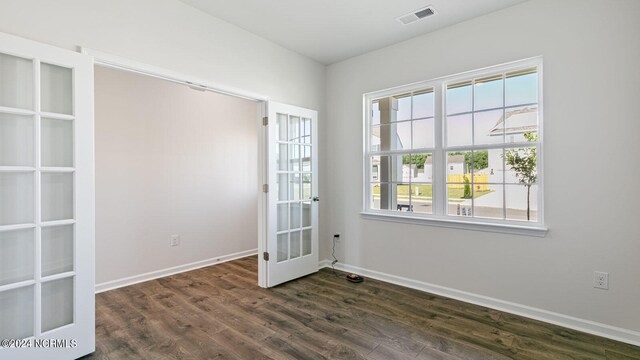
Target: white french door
46, 202
292, 198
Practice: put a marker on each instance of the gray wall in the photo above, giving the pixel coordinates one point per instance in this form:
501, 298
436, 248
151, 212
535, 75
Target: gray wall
591, 88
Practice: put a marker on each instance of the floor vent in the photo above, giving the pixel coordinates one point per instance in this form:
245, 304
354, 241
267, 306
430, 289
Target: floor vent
417, 15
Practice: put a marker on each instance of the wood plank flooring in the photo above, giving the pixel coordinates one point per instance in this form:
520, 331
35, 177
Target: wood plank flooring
220, 312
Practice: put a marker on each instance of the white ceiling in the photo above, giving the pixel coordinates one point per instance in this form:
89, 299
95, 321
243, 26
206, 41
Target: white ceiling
329, 31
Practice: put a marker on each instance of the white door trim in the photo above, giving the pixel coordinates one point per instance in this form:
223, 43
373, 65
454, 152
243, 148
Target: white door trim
118, 62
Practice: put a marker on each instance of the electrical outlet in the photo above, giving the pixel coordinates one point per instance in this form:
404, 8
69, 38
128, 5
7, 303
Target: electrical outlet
175, 240
601, 280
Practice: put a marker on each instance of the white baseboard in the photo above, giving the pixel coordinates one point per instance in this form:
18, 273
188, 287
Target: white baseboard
587, 326
114, 284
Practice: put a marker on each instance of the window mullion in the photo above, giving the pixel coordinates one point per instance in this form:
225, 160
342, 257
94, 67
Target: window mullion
439, 195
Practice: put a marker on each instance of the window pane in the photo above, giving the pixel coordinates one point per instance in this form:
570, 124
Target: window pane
521, 89
520, 165
401, 197
385, 196
374, 197
478, 162
391, 168
375, 113
488, 127
376, 132
488, 201
520, 200
423, 134
488, 94
458, 165
423, 105
495, 165
459, 99
404, 107
421, 169
422, 198
521, 122
459, 130
395, 136
403, 137
459, 199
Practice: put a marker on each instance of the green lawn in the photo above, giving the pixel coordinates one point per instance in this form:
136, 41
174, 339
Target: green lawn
427, 191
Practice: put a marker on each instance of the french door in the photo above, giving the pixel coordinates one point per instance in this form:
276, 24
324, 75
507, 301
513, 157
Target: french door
46, 202
292, 205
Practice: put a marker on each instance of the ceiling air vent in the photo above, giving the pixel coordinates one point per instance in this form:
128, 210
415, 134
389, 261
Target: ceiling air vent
417, 15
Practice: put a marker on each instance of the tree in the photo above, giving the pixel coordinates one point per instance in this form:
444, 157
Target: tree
467, 188
417, 159
523, 162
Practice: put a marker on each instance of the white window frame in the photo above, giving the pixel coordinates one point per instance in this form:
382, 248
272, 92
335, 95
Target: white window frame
439, 217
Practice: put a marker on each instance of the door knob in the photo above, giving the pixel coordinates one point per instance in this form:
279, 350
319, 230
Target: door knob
316, 198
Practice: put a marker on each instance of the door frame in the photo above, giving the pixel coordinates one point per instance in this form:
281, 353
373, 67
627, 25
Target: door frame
121, 63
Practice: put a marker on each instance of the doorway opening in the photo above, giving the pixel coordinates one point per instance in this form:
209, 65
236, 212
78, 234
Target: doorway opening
177, 169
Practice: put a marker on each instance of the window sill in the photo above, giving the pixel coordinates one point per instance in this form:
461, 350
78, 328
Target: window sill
475, 225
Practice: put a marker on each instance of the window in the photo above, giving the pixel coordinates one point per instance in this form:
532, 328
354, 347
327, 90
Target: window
464, 148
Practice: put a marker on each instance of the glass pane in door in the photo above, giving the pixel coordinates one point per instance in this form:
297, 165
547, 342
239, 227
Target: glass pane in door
306, 242
16, 256
16, 313
16, 198
294, 248
16, 140
57, 142
16, 82
283, 247
57, 303
56, 89
57, 196
57, 249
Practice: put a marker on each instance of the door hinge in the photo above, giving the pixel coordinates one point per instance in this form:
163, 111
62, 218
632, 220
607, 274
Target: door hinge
265, 256
265, 188
265, 121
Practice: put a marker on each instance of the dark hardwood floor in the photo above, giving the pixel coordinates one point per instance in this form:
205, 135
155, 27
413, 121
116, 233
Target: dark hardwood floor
220, 312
